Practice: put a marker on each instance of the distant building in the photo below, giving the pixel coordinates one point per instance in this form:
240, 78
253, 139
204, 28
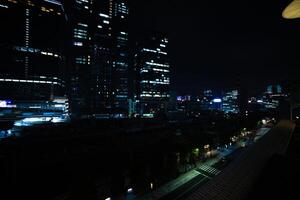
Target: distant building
152, 69
185, 103
172, 105
216, 104
184, 98
269, 101
274, 90
32, 59
273, 96
231, 101
205, 100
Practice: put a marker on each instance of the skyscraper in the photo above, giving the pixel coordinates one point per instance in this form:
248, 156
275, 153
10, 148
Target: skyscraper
231, 101
274, 90
80, 48
206, 100
120, 20
31, 49
99, 57
101, 64
152, 69
273, 96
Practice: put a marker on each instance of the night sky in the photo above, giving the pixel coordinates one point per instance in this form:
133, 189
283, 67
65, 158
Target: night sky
217, 44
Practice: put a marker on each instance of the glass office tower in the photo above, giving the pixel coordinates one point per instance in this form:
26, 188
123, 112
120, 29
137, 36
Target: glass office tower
152, 69
31, 49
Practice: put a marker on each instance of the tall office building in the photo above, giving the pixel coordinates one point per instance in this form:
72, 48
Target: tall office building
97, 53
205, 100
120, 28
31, 49
231, 102
100, 79
152, 70
79, 53
274, 90
99, 57
273, 97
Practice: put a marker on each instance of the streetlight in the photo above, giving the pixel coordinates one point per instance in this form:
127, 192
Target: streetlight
292, 11
151, 186
292, 107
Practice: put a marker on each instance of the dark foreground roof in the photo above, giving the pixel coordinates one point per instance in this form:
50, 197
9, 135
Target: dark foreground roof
237, 180
280, 177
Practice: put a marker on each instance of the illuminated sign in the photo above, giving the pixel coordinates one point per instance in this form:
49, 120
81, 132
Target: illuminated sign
3, 104
217, 100
6, 104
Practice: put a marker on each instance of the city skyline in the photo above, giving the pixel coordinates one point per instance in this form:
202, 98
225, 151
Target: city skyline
149, 100
213, 44
219, 51
83, 46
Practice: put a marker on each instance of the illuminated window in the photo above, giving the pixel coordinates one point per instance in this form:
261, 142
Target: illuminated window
104, 15
78, 44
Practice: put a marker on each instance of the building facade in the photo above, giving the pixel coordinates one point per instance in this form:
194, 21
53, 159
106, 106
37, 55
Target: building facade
99, 57
231, 102
101, 74
152, 69
31, 50
79, 46
121, 57
205, 100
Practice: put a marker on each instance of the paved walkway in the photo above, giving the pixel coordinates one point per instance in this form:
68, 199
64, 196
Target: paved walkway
237, 179
183, 179
205, 169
